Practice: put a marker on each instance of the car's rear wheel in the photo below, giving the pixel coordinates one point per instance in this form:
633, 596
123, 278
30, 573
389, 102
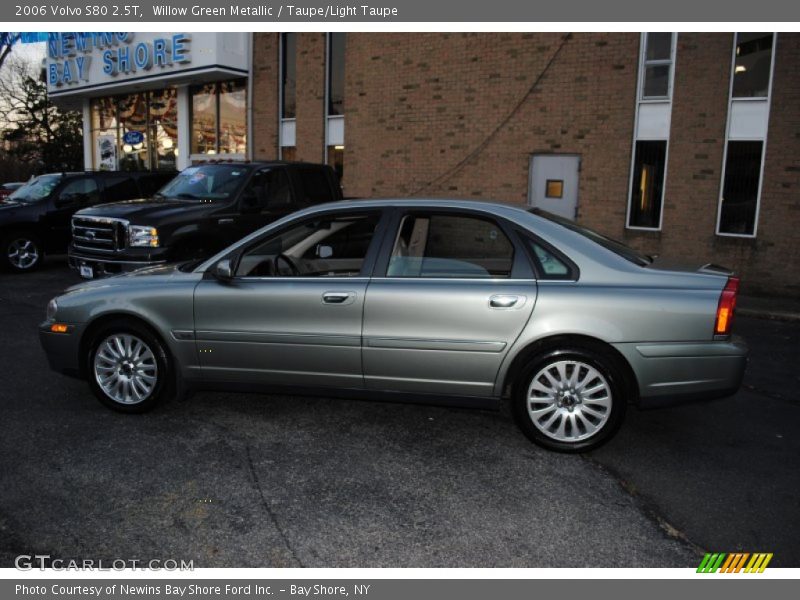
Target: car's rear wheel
21, 252
128, 368
571, 399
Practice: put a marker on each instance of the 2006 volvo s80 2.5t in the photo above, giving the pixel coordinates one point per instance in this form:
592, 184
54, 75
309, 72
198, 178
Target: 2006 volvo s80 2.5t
474, 302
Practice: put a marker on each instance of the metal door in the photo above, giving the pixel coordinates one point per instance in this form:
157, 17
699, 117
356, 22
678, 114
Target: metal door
553, 183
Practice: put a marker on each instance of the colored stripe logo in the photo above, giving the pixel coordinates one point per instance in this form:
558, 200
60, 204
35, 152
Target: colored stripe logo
744, 562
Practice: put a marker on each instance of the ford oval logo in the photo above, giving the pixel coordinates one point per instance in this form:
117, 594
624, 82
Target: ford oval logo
133, 137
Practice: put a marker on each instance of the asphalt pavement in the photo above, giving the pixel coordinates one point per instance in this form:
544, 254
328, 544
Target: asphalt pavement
274, 481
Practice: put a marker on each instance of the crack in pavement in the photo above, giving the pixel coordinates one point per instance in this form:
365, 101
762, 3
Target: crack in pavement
646, 507
268, 509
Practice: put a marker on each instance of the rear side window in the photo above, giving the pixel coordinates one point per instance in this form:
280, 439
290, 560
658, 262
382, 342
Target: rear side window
120, 187
550, 265
315, 187
450, 246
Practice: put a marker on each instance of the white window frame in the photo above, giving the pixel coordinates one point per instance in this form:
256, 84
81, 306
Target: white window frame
731, 100
644, 63
650, 100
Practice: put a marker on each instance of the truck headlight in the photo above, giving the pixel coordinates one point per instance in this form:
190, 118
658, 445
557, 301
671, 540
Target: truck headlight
52, 308
142, 236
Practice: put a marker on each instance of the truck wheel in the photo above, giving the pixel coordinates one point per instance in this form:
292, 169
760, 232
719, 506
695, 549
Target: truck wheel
570, 400
128, 368
192, 250
21, 252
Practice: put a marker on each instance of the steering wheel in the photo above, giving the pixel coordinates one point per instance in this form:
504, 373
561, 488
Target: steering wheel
289, 263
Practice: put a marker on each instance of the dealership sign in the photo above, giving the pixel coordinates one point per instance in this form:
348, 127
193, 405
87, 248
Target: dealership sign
70, 55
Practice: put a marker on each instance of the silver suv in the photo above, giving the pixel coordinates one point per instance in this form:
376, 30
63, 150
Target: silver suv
438, 299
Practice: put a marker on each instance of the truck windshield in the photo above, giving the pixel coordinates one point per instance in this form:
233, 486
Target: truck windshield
205, 182
608, 243
36, 189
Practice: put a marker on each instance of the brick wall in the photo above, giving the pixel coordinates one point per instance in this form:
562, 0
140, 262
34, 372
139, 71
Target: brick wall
266, 73
450, 114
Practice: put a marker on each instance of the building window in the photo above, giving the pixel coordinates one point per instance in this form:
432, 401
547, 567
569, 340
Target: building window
657, 65
647, 184
289, 75
739, 206
136, 131
336, 74
752, 65
219, 118
336, 159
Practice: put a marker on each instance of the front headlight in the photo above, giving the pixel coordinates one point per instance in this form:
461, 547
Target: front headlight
142, 236
52, 308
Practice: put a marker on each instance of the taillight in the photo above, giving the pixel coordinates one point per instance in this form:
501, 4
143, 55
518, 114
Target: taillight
726, 306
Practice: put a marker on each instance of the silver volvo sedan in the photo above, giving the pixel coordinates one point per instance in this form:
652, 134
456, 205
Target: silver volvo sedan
431, 300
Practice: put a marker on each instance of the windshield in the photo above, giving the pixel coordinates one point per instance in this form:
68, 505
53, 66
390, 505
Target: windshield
206, 182
616, 247
36, 189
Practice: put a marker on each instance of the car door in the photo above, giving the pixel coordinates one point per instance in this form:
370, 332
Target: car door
453, 291
75, 194
292, 313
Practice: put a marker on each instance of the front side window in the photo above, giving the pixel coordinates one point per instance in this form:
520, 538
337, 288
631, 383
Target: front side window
752, 65
657, 66
80, 191
450, 246
647, 184
740, 188
323, 247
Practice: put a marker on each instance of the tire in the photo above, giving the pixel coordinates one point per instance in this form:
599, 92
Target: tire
128, 353
572, 415
21, 252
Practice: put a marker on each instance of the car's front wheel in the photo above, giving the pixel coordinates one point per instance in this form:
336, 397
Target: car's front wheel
128, 368
21, 252
571, 399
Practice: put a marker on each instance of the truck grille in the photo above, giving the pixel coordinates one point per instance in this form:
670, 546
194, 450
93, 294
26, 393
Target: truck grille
98, 234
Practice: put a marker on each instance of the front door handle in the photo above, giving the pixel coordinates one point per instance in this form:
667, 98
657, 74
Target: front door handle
337, 297
503, 301
225, 221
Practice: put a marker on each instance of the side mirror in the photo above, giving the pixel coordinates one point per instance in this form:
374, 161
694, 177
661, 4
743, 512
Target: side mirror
68, 201
224, 270
324, 251
250, 202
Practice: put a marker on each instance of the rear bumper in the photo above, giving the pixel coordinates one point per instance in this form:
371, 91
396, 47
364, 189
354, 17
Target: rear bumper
62, 349
673, 373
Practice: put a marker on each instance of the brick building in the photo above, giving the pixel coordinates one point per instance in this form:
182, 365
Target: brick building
681, 144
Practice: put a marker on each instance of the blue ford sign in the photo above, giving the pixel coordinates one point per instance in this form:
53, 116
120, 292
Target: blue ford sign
133, 137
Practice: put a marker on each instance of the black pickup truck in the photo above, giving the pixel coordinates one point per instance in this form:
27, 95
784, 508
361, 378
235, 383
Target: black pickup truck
204, 209
35, 218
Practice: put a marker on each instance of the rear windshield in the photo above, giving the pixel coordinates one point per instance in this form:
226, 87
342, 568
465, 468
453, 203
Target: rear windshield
36, 189
608, 243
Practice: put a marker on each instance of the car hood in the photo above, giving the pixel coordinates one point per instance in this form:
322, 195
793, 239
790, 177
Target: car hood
146, 209
152, 274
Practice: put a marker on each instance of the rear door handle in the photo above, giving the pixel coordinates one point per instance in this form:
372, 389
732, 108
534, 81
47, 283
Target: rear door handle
503, 301
225, 221
338, 297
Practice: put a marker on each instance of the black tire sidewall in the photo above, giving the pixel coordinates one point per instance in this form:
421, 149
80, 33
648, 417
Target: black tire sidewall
6, 241
605, 364
162, 360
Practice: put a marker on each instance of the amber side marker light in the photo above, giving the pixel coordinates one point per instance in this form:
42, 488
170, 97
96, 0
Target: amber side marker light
726, 306
59, 328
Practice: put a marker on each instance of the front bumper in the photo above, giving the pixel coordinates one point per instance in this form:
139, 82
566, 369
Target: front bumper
62, 349
676, 372
103, 265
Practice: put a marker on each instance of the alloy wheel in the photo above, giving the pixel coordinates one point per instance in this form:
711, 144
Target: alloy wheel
125, 368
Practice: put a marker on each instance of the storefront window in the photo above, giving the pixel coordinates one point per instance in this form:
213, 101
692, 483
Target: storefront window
204, 119
164, 129
219, 118
135, 132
